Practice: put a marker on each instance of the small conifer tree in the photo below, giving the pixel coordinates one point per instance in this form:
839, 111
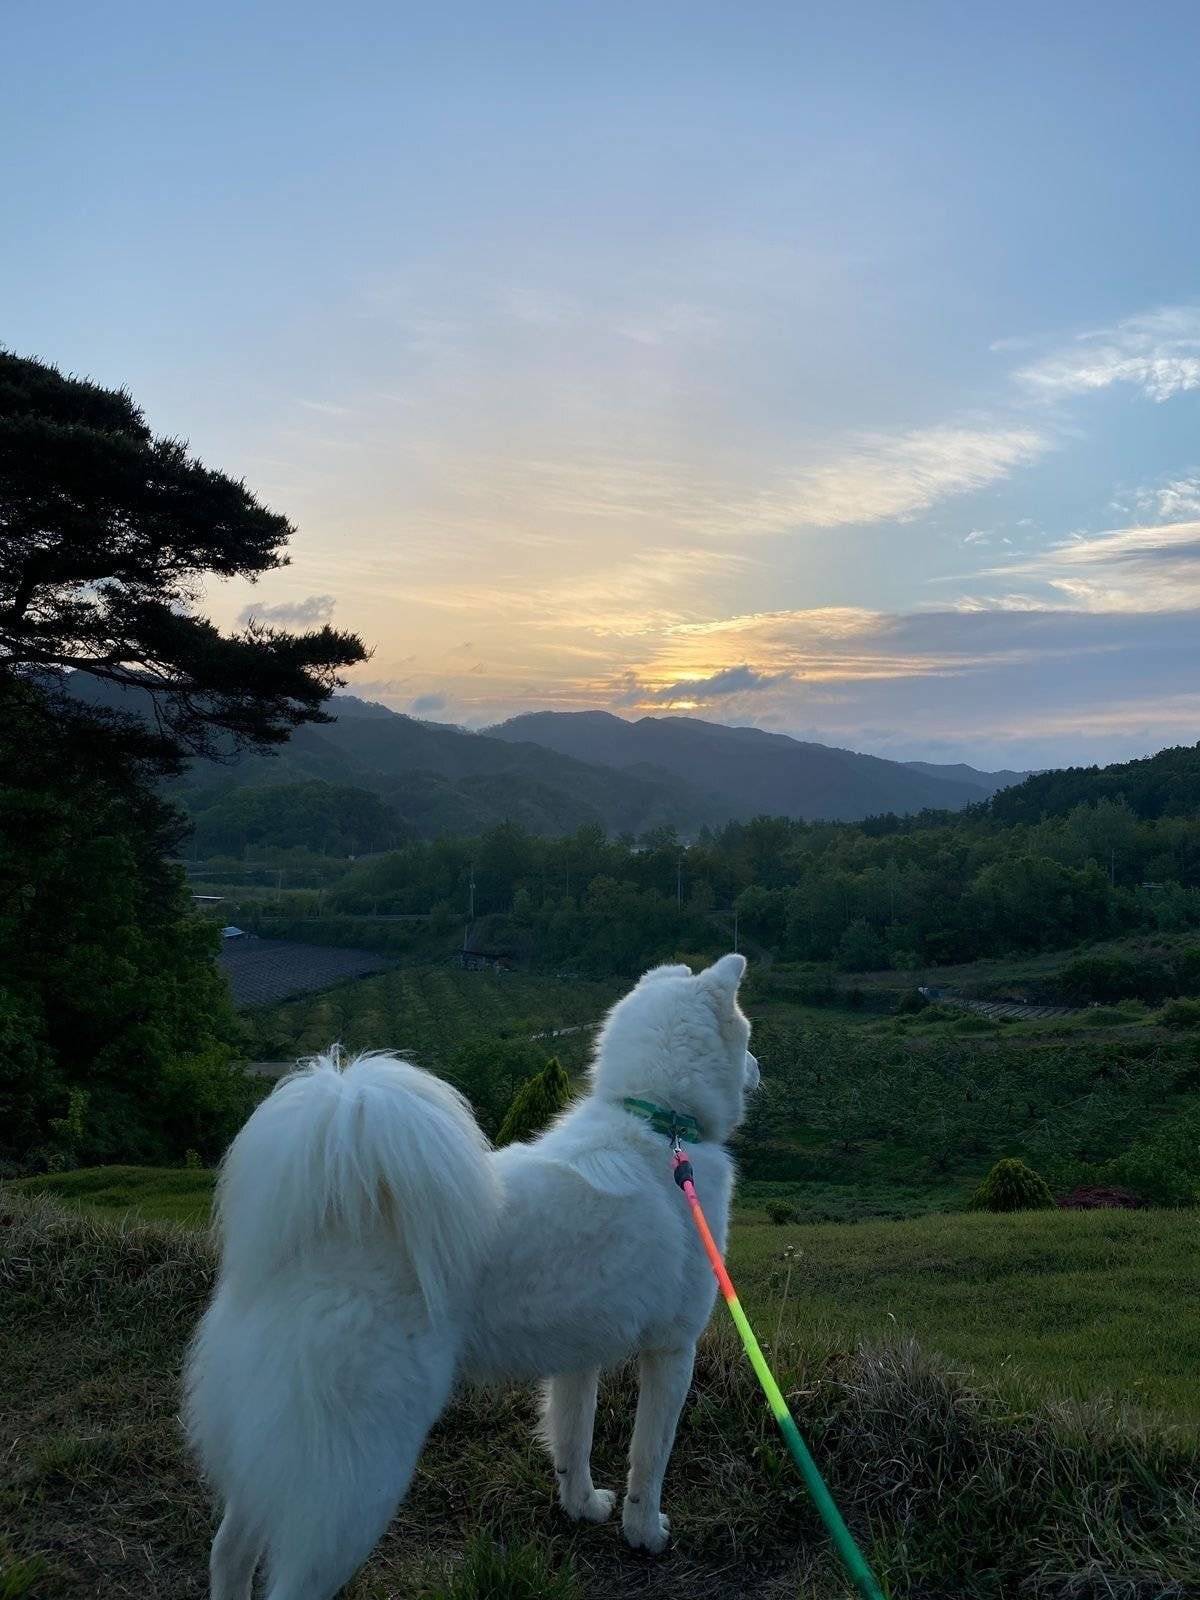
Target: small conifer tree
536, 1103
1012, 1186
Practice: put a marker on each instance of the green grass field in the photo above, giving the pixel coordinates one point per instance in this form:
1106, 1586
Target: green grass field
1089, 1304
157, 1194
955, 1486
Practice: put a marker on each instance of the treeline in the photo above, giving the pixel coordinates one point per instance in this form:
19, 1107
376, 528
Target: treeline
1163, 785
334, 819
117, 1040
862, 896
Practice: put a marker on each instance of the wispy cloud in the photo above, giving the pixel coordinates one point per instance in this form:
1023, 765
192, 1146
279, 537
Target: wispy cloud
1138, 569
867, 478
309, 612
1172, 501
1157, 352
325, 408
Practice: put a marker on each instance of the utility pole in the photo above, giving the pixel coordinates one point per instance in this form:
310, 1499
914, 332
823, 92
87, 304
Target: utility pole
735, 930
679, 882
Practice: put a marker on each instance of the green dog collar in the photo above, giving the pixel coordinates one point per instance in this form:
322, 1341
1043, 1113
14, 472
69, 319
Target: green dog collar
671, 1124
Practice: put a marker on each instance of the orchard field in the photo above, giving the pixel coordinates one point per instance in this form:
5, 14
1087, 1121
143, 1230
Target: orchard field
428, 1013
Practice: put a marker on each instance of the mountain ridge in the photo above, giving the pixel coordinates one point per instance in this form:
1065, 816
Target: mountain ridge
553, 772
750, 771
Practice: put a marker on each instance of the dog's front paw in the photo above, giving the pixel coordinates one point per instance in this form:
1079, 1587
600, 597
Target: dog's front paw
594, 1507
644, 1532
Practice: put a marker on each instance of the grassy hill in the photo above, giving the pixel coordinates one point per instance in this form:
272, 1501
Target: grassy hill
955, 1487
1092, 1304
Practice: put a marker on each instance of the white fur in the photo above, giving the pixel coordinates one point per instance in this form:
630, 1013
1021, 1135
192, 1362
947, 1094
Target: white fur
375, 1252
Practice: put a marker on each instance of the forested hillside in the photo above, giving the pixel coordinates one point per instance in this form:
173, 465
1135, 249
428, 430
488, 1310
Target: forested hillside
571, 771
1163, 785
888, 892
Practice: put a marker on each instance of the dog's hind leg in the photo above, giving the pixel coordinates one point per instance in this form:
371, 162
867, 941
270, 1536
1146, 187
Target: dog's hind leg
663, 1386
568, 1417
235, 1553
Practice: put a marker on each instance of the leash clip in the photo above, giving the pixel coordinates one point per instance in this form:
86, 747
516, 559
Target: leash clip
681, 1167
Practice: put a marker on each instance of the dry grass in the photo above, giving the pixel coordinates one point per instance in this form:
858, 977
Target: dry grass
954, 1492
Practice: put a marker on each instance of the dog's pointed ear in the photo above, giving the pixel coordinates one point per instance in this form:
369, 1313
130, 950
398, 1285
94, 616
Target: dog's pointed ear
723, 977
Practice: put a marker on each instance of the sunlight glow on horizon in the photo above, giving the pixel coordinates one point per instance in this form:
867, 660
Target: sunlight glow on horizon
774, 367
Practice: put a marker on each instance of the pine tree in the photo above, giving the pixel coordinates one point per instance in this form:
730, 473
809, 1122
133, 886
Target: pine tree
536, 1103
107, 535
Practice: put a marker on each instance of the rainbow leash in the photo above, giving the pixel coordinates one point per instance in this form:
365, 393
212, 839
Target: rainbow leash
853, 1560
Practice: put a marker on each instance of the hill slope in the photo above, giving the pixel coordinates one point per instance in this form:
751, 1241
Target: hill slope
1163, 785
438, 779
553, 772
747, 772
952, 1488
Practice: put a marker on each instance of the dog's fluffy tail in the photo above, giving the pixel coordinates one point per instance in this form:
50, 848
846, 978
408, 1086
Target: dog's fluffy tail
376, 1154
354, 1209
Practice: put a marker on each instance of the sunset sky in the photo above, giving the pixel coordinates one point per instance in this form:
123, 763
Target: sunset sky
832, 369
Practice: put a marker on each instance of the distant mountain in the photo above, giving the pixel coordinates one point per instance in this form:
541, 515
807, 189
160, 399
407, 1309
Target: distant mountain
746, 772
435, 778
988, 783
553, 772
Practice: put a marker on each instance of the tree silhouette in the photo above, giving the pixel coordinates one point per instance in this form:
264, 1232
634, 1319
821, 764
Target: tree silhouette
536, 1103
106, 535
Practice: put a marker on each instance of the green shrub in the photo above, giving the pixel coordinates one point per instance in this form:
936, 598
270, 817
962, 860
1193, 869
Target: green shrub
975, 1024
1104, 1017
910, 1003
1164, 1164
780, 1213
490, 1071
67, 1133
536, 1103
1110, 978
935, 1012
1012, 1186
1180, 1014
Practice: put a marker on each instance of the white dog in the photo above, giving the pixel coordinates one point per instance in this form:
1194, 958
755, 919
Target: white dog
375, 1252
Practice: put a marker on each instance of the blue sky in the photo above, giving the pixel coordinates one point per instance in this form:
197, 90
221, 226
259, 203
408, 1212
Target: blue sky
836, 373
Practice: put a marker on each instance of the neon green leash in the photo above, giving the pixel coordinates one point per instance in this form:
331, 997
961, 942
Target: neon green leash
855, 1563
